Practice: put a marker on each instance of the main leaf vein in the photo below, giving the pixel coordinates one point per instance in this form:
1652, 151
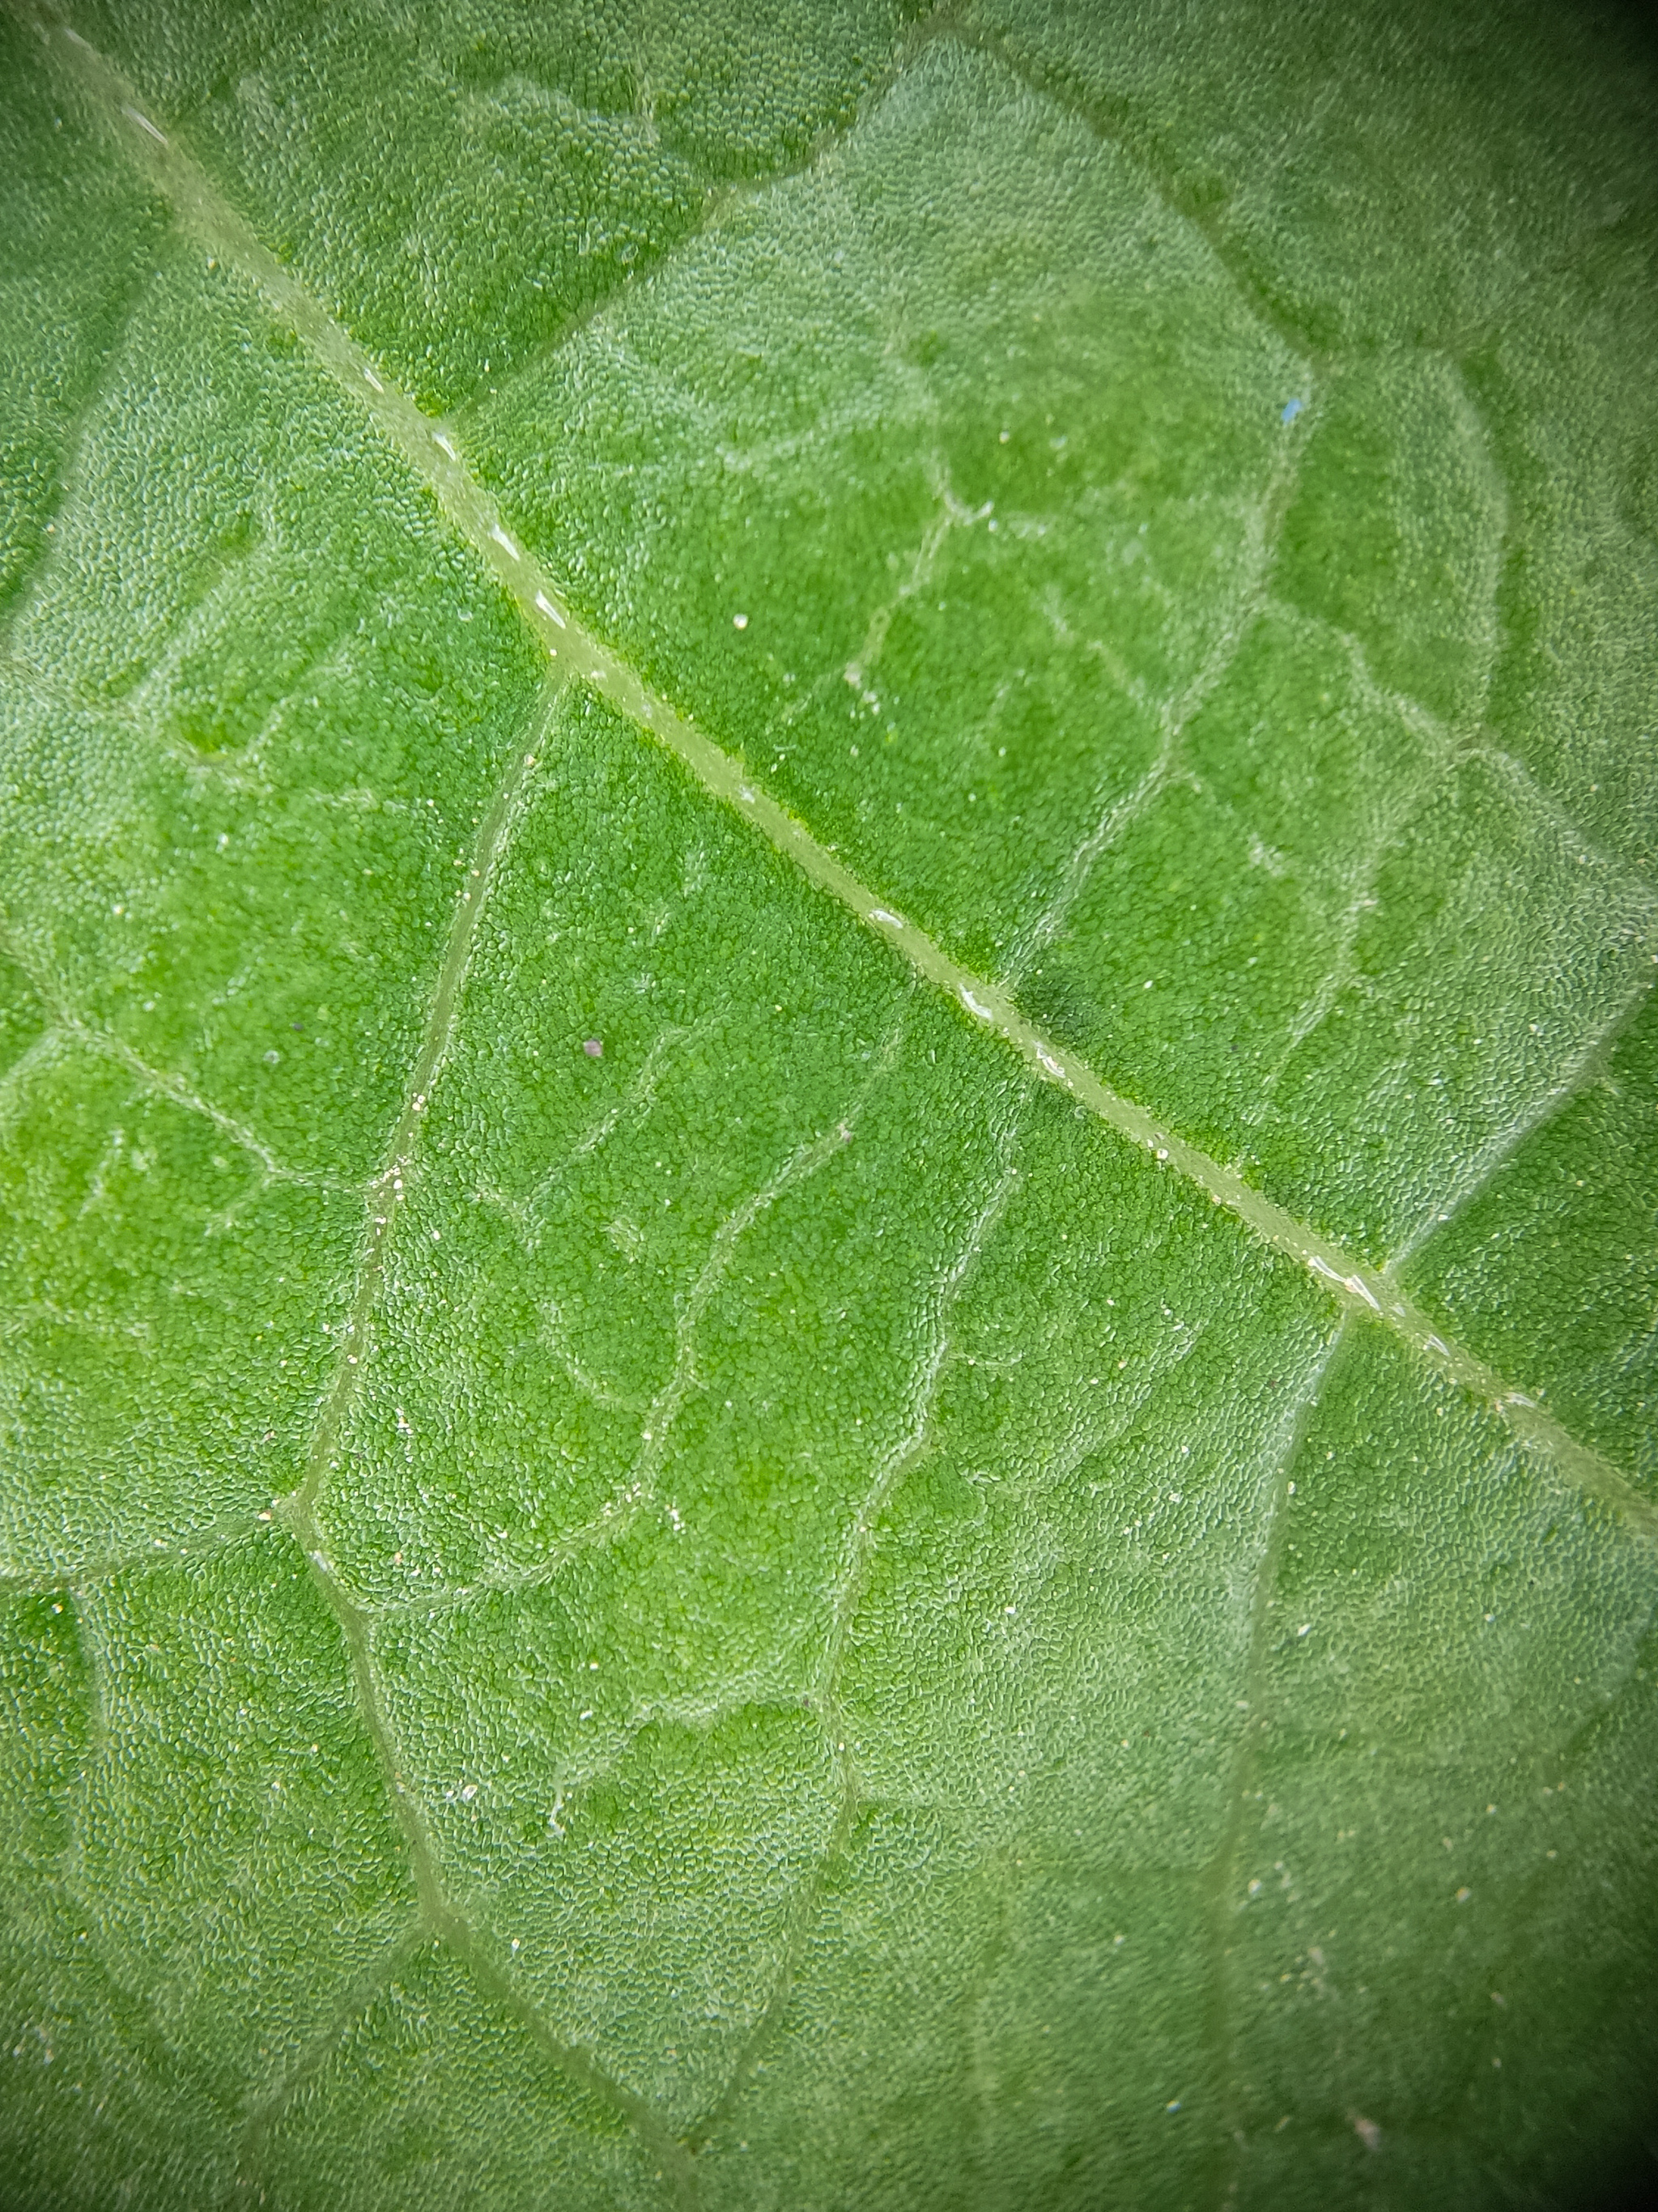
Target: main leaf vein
438, 461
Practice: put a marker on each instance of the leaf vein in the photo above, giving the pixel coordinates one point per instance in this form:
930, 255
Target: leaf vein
437, 461
890, 1469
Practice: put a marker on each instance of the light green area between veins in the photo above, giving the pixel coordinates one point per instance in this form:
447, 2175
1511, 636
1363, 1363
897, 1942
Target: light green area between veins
435, 454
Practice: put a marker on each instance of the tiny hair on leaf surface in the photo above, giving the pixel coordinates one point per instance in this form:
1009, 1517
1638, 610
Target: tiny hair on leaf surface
829, 902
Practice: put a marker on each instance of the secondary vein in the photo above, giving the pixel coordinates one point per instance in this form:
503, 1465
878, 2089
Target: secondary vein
433, 452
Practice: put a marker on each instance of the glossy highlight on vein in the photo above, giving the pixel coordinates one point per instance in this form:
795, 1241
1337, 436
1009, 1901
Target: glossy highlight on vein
200, 206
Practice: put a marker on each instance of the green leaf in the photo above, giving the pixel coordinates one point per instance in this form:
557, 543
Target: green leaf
828, 882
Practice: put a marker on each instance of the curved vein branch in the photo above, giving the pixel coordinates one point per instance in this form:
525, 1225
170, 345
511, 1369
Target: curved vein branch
438, 460
906, 1452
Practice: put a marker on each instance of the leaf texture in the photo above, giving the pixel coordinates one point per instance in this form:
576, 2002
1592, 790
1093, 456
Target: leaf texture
827, 1097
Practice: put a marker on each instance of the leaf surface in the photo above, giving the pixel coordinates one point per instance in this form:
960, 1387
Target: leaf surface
828, 904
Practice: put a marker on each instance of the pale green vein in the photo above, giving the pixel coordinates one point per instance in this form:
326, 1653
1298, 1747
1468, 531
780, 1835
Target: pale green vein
1263, 525
1223, 1902
448, 1921
298, 1510
891, 1468
1205, 217
70, 1029
264, 2111
162, 1552
435, 454
1589, 1065
388, 1192
640, 1492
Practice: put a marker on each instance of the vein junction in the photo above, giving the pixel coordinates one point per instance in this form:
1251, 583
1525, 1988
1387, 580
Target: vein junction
435, 454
